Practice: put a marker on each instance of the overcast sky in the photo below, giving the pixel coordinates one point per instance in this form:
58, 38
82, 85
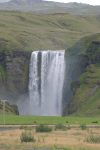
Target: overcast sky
1, 1
91, 2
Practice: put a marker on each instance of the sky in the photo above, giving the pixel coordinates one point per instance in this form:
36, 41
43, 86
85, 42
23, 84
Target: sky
1, 1
91, 2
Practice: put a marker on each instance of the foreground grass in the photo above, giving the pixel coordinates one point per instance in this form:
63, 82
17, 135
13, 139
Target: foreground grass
22, 120
74, 139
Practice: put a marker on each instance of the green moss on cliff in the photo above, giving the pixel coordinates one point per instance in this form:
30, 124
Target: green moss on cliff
93, 52
86, 99
2, 74
85, 102
24, 74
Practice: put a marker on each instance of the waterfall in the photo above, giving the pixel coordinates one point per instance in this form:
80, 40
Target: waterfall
46, 79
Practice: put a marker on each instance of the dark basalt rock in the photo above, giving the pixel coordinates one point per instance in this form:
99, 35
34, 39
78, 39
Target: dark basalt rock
16, 65
95, 122
75, 85
96, 42
34, 121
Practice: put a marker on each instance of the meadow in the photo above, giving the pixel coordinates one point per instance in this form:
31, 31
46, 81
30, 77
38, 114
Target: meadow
29, 120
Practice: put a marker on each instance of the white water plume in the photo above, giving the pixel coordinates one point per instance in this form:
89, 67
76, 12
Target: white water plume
46, 79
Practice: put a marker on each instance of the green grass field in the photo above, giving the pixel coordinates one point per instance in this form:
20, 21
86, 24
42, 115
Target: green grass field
16, 119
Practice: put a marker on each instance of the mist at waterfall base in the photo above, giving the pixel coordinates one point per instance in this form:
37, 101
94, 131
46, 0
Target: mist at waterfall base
50, 77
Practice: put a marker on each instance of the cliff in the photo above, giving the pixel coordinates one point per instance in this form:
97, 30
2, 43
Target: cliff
86, 88
14, 69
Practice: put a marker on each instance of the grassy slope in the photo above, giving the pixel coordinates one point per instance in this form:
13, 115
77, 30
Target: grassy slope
31, 32
87, 98
9, 109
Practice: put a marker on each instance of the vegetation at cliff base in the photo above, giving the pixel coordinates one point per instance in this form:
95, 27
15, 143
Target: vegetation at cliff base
9, 109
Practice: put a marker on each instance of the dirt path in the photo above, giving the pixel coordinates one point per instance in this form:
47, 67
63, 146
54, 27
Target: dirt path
51, 125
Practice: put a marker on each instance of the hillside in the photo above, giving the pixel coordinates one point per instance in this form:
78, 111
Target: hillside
49, 7
9, 109
30, 31
86, 90
21, 33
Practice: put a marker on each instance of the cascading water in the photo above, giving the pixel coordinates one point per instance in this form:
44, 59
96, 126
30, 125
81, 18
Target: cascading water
46, 78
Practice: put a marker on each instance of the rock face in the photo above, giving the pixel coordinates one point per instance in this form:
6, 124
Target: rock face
74, 86
93, 52
16, 66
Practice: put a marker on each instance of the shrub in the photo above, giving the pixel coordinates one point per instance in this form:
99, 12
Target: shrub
91, 68
68, 127
28, 129
60, 126
27, 137
25, 128
83, 126
64, 128
22, 127
43, 128
93, 139
98, 127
